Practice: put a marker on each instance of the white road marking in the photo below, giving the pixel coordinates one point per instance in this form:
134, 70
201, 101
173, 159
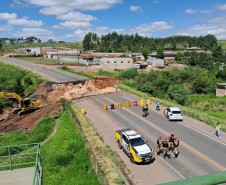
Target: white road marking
188, 126
159, 156
173, 168
128, 98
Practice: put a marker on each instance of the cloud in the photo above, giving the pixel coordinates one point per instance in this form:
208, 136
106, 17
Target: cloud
72, 25
215, 26
17, 3
55, 10
221, 7
6, 27
190, 11
156, 1
76, 4
147, 29
206, 11
26, 17
43, 34
178, 13
25, 22
7, 16
134, 8
76, 16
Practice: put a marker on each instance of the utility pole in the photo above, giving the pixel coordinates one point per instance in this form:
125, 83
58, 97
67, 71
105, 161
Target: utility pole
57, 51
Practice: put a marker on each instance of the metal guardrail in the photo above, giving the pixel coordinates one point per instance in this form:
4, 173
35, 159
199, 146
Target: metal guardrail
15, 155
123, 179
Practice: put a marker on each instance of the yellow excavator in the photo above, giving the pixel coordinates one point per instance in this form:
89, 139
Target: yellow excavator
23, 106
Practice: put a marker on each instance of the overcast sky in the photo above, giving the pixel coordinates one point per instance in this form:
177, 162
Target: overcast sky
70, 20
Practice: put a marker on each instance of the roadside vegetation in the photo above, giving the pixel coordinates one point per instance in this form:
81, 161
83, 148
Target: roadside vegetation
17, 80
71, 163
77, 73
49, 61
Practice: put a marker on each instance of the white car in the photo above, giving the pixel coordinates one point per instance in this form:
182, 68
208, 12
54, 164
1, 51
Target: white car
173, 113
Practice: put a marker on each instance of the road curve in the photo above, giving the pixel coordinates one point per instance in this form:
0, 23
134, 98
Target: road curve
51, 73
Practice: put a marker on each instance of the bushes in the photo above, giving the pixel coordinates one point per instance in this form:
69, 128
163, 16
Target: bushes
17, 80
129, 73
178, 93
78, 73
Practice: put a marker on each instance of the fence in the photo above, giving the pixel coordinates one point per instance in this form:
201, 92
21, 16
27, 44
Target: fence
15, 157
98, 170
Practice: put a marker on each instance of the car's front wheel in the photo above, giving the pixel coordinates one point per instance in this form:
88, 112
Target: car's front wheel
132, 159
119, 145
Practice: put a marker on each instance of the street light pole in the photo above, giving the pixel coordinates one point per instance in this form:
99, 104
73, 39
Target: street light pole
57, 52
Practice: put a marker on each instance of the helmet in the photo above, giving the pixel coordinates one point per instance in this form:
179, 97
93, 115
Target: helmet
172, 134
176, 137
160, 137
165, 138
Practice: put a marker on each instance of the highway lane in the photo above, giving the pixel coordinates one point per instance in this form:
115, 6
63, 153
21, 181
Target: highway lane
200, 155
51, 74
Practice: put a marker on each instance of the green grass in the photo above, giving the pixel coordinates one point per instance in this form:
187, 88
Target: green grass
1, 54
104, 73
222, 43
27, 45
204, 116
41, 132
78, 73
17, 80
65, 159
48, 61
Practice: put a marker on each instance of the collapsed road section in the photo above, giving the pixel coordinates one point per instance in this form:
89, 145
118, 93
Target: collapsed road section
48, 93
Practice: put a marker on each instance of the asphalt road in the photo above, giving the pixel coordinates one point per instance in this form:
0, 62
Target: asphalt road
199, 155
51, 73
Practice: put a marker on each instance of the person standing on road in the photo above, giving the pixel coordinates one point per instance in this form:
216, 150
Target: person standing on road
157, 105
216, 133
146, 107
165, 148
171, 141
159, 144
176, 144
144, 111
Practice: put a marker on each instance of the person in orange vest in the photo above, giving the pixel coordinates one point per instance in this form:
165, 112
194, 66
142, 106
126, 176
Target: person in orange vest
176, 144
165, 148
171, 141
159, 144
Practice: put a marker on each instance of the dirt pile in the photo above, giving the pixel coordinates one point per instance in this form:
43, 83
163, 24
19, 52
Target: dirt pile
49, 92
26, 122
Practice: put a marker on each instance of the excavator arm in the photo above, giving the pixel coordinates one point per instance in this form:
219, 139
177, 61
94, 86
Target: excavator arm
11, 95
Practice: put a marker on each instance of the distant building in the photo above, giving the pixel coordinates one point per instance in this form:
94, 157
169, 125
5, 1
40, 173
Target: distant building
136, 55
193, 49
79, 41
116, 63
154, 62
221, 89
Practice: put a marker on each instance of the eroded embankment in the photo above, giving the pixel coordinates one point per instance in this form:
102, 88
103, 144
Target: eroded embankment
47, 93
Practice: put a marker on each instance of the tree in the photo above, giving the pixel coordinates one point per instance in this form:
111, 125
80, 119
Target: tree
86, 41
217, 54
39, 41
178, 93
1, 44
50, 41
129, 73
145, 53
160, 53
178, 56
12, 41
30, 39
